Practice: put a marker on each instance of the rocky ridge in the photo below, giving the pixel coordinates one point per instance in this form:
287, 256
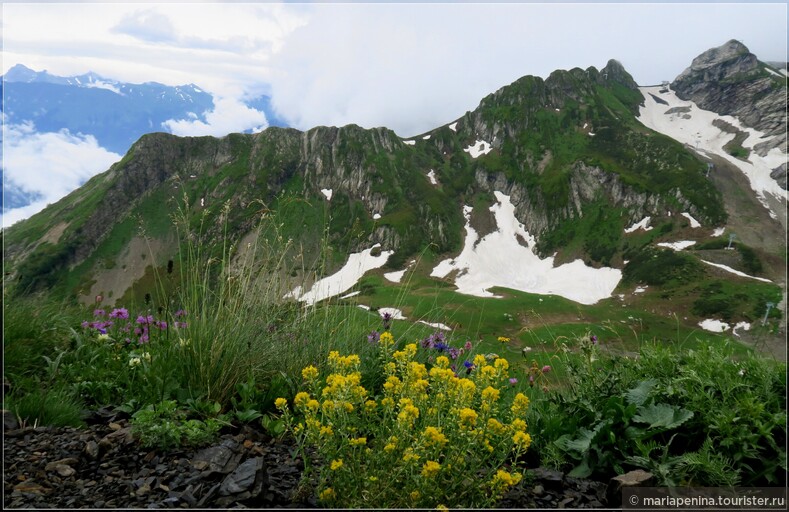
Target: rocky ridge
730, 80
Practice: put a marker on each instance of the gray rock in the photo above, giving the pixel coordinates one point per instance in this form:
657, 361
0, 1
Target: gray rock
248, 477
9, 420
636, 478
91, 450
221, 458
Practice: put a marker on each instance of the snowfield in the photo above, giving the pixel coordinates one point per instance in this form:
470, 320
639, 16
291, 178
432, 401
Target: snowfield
345, 278
501, 259
642, 224
694, 128
677, 246
327, 192
479, 148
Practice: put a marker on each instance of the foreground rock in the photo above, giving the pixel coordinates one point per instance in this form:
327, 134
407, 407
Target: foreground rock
102, 466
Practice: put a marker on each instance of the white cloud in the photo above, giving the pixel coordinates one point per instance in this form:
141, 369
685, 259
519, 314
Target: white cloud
229, 116
48, 164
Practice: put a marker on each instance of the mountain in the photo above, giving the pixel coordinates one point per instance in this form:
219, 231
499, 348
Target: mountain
555, 188
730, 80
116, 113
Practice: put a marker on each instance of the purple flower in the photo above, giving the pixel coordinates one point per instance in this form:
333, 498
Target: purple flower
531, 380
513, 381
102, 331
85, 324
145, 319
468, 364
179, 313
593, 338
454, 352
119, 313
99, 312
143, 339
546, 369
374, 337
441, 346
180, 325
467, 346
387, 320
137, 331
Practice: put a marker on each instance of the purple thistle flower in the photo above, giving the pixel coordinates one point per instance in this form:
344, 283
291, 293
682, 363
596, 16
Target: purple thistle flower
179, 313
99, 312
387, 320
593, 338
137, 331
454, 353
546, 369
180, 325
145, 319
513, 381
162, 325
119, 313
85, 324
467, 346
143, 339
374, 337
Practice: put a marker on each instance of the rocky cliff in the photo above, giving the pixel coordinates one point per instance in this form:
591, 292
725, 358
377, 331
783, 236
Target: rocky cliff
730, 80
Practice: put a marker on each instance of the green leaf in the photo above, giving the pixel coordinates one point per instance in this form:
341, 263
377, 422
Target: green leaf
582, 470
639, 394
580, 445
662, 416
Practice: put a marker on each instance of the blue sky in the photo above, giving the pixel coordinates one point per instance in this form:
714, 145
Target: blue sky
407, 66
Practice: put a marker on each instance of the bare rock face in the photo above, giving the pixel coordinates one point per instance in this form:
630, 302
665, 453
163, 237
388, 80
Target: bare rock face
730, 80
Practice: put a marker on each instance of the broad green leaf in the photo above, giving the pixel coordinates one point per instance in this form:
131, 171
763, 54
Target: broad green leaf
640, 394
662, 416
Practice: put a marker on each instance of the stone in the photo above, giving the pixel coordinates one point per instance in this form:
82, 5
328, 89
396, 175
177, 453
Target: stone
549, 478
10, 421
245, 476
635, 478
91, 450
220, 458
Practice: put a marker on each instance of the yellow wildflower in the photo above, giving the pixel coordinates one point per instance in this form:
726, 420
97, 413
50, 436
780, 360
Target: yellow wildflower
309, 373
414, 495
370, 405
430, 469
336, 464
490, 394
358, 441
281, 403
327, 431
442, 362
327, 494
468, 417
389, 448
495, 426
435, 436
313, 405
479, 360
519, 404
504, 339
301, 398
501, 363
521, 440
503, 479
386, 339
518, 425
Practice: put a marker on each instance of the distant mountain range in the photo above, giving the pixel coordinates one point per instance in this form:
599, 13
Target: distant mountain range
115, 113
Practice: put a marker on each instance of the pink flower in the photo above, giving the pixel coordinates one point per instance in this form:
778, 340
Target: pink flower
546, 369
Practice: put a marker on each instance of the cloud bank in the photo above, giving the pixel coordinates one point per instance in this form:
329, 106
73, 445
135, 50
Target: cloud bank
48, 165
229, 116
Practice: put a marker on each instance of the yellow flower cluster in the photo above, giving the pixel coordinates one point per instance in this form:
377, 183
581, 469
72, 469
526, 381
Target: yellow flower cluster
430, 469
502, 479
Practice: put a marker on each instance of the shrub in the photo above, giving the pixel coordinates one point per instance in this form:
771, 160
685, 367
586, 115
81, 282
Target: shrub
429, 439
164, 426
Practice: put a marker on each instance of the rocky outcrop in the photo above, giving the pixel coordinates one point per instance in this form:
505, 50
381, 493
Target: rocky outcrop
730, 80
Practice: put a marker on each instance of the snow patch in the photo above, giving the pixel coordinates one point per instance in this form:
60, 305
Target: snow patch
677, 246
396, 313
774, 72
105, 85
352, 294
345, 278
718, 231
395, 277
426, 137
436, 325
500, 259
639, 289
376, 216
432, 177
366, 308
480, 147
410, 142
693, 222
693, 126
745, 326
737, 272
327, 192
714, 325
642, 224
454, 126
